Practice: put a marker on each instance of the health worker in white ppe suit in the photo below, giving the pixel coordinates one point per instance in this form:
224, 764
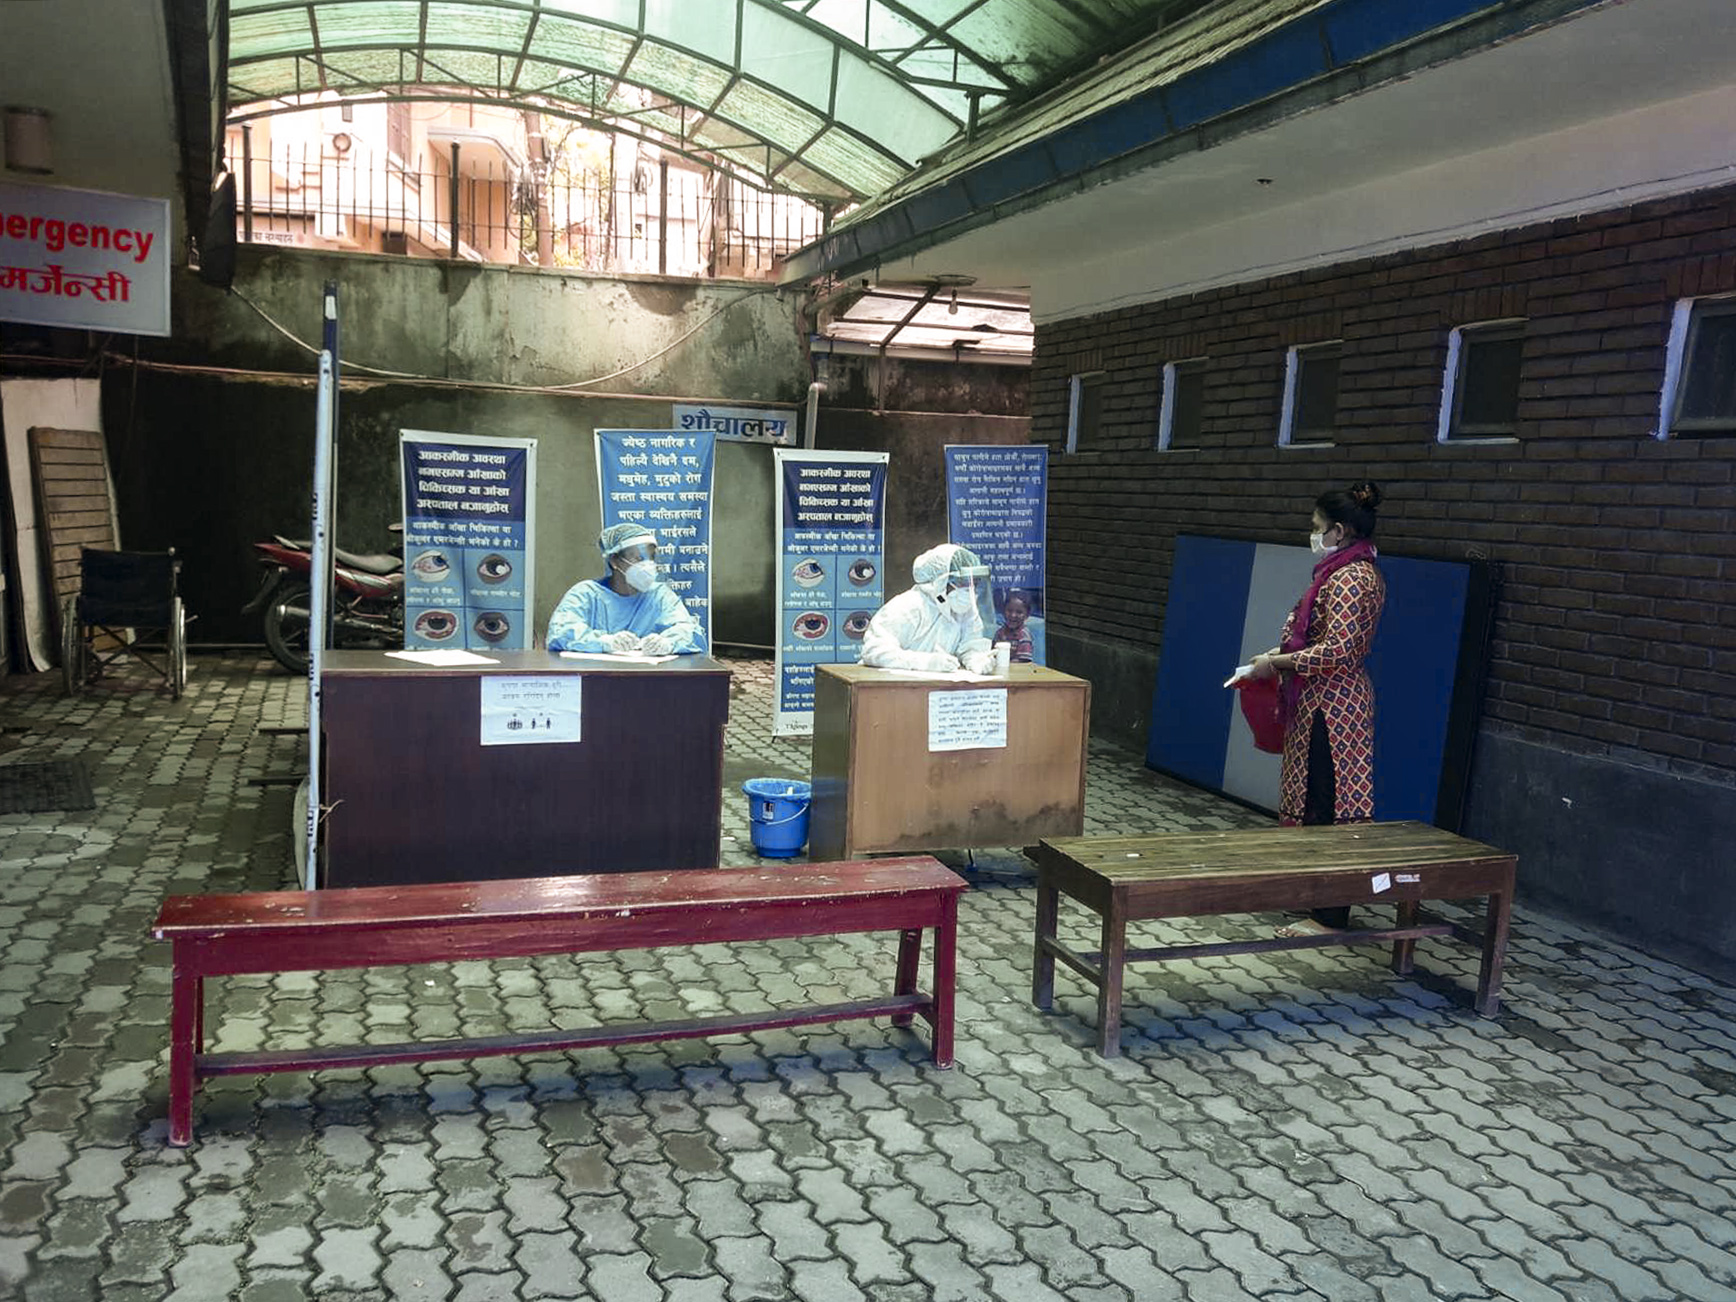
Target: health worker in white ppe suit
940, 624
628, 609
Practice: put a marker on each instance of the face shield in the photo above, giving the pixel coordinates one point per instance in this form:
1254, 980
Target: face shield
969, 591
639, 563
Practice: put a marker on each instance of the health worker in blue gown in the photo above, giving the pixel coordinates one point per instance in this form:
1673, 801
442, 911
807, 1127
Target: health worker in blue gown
629, 609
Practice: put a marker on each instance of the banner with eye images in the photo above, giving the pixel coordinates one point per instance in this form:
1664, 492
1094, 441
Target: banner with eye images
469, 537
997, 505
662, 479
831, 534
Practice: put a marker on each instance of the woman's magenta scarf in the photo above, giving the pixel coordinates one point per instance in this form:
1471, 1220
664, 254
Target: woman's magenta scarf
1290, 690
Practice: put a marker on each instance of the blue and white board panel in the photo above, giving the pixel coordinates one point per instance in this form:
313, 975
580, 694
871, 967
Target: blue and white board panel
1227, 602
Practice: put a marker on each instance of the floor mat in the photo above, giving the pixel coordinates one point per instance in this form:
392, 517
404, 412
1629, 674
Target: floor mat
34, 788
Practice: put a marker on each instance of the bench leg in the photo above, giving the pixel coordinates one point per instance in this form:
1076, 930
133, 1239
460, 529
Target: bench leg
186, 1023
1109, 986
1404, 951
1494, 952
1043, 959
945, 978
909, 955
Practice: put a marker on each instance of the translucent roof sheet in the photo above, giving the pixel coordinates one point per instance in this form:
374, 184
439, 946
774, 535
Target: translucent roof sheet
834, 99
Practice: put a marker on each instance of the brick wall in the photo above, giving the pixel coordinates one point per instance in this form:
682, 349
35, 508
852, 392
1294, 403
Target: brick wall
1617, 627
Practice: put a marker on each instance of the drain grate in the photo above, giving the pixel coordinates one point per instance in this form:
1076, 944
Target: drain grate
54, 784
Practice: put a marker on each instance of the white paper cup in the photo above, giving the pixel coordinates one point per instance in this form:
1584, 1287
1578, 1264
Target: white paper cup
1003, 658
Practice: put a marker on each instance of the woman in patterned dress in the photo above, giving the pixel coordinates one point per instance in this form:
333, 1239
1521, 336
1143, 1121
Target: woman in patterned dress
1328, 770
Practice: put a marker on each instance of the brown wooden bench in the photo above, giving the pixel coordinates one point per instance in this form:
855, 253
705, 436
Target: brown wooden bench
300, 931
1134, 878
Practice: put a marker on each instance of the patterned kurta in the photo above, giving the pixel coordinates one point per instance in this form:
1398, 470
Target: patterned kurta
1333, 682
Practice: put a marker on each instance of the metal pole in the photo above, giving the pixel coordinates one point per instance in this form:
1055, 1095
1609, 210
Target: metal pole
454, 244
247, 183
662, 216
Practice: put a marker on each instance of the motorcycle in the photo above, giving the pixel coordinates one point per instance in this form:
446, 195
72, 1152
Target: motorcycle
367, 600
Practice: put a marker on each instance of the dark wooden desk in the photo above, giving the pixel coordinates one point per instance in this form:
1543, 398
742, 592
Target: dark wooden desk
415, 797
879, 788
1133, 878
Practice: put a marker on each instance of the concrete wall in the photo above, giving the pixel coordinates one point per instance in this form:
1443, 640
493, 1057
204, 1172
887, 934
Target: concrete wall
1607, 752
213, 449
209, 460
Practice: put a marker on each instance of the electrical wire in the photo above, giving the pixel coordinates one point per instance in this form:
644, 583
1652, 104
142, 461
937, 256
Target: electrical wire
533, 388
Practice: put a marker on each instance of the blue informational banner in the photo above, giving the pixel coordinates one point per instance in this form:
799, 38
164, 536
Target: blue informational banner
997, 505
469, 525
831, 532
662, 479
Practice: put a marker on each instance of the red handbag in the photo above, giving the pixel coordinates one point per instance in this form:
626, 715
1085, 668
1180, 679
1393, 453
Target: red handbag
1260, 708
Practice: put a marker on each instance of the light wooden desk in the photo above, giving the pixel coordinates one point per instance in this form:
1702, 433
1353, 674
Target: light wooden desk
1132, 878
878, 787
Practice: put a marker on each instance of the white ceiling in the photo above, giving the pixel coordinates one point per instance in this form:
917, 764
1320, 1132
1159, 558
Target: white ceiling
1617, 103
101, 69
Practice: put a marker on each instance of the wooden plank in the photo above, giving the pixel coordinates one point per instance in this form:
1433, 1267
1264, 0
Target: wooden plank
70, 469
528, 898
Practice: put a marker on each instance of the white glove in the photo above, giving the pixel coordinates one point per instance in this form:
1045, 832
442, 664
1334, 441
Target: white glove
940, 662
656, 644
622, 643
980, 662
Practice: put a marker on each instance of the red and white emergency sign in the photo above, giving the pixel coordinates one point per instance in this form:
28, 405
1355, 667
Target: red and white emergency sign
84, 259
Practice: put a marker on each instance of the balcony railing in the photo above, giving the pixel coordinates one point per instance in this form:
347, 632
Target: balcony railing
659, 219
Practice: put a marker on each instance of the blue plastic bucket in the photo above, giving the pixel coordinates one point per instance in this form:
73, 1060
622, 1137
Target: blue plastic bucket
778, 808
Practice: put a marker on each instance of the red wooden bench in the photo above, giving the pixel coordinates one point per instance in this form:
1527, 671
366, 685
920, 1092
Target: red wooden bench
300, 931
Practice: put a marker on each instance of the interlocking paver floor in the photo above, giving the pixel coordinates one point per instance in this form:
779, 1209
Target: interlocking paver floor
1303, 1125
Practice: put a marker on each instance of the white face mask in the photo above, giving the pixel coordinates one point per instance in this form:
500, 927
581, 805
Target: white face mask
1317, 544
642, 575
961, 601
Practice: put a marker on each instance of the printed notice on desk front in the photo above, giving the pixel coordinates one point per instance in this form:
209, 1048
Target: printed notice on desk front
967, 720
530, 711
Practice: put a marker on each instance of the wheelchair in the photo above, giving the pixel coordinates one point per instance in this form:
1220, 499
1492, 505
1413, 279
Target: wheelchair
122, 591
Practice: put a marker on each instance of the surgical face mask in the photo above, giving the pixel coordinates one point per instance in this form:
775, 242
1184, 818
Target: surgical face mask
642, 575
961, 601
1317, 544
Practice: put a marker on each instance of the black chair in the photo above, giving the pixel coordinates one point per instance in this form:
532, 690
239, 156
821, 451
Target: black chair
124, 591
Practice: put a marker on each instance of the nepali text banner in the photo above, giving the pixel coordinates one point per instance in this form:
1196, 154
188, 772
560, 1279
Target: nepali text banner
739, 424
831, 532
469, 530
997, 505
662, 479
84, 259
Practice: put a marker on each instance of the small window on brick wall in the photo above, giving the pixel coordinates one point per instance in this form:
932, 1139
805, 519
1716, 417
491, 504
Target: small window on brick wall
1085, 411
1700, 370
1310, 395
1480, 388
1183, 405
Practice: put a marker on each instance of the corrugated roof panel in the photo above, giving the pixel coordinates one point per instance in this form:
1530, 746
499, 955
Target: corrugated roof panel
267, 79
465, 24
880, 108
621, 13
677, 74
777, 119
783, 53
706, 29
284, 31
580, 45
368, 68
465, 68
382, 23
841, 155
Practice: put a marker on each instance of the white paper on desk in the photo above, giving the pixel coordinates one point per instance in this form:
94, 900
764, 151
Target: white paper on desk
943, 675
530, 711
442, 659
967, 720
630, 657
1242, 672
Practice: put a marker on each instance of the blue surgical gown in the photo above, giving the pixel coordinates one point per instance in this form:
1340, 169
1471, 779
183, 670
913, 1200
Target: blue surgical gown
592, 610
